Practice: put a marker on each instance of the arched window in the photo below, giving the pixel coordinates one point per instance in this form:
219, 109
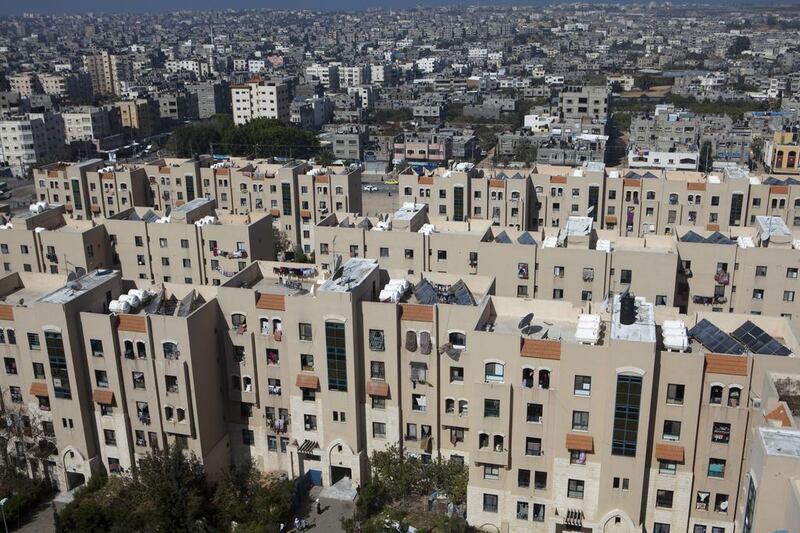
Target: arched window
791, 159
168, 412
2, 335
239, 321
716, 394
450, 406
463, 407
734, 396
411, 341
544, 379
128, 349
779, 159
527, 378
247, 384
483, 440
170, 350
264, 322
277, 329
12, 336
499, 441
141, 350
425, 344
495, 372
458, 340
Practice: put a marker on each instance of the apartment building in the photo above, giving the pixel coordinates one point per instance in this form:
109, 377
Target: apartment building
194, 244
108, 71
326, 75
781, 153
27, 139
87, 124
24, 83
629, 418
578, 102
141, 115
68, 184
74, 86
260, 99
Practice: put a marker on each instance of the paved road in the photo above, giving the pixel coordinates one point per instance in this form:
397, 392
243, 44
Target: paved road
330, 518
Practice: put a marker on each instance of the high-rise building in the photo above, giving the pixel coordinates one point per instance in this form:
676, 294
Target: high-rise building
108, 71
258, 98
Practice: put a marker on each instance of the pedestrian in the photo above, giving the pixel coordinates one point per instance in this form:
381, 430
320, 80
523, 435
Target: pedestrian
318, 507
296, 524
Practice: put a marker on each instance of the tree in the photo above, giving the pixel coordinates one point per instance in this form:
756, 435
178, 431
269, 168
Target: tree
280, 241
739, 45
243, 496
526, 152
706, 157
29, 428
169, 490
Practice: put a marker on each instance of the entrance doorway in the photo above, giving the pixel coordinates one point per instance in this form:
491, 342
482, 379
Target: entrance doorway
339, 472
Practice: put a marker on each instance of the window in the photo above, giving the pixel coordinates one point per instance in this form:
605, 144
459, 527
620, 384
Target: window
716, 468
377, 370
544, 379
441, 255
58, 364
533, 446
490, 503
791, 273
305, 331
418, 402
101, 378
716, 395
538, 512
721, 433
306, 362
659, 527
575, 489
522, 510
110, 437
761, 271
540, 480
96, 346
491, 408
170, 350
411, 431
336, 355
626, 415
138, 380
534, 413
376, 340
721, 503
583, 385
672, 430
378, 402
379, 430
734, 394
675, 393
523, 478
625, 276
16, 394
38, 371
788, 296
667, 467
458, 340
580, 420
494, 372
491, 472
758, 294
33, 341
310, 422
664, 499
11, 365
456, 374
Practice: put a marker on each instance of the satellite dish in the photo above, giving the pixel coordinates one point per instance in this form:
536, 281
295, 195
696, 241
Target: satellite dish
589, 211
168, 211
71, 276
526, 321
74, 285
80, 271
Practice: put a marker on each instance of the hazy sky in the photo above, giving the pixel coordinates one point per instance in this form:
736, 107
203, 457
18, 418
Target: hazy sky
12, 7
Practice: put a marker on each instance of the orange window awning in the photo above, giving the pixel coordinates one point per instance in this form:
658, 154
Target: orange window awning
581, 443
103, 396
669, 452
611, 219
39, 389
275, 212
378, 388
307, 381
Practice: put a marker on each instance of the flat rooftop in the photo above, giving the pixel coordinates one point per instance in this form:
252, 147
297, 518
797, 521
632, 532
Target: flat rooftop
82, 285
350, 275
783, 442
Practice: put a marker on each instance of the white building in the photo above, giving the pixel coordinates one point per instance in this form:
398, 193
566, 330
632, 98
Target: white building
260, 99
86, 124
644, 158
327, 75
24, 140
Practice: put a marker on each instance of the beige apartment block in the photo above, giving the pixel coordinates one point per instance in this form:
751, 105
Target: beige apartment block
44, 240
629, 418
260, 98
67, 183
194, 244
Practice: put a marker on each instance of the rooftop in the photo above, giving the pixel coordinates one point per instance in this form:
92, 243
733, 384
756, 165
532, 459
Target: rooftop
783, 442
350, 275
82, 285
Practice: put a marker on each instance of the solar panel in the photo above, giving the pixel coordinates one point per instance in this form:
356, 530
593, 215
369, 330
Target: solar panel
526, 238
791, 181
503, 238
718, 238
691, 236
759, 341
425, 294
714, 339
772, 180
461, 294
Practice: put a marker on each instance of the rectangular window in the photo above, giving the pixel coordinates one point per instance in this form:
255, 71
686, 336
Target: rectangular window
583, 385
626, 415
97, 347
377, 370
716, 468
491, 472
580, 420
490, 503
664, 499
491, 408
378, 430
533, 446
672, 430
575, 489
534, 413
33, 341
523, 478
305, 332
675, 393
58, 364
721, 433
337, 356
376, 340
667, 467
540, 480
286, 196
456, 374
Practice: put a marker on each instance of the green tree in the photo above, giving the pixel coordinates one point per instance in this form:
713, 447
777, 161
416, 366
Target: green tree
706, 157
526, 152
244, 497
739, 45
169, 490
